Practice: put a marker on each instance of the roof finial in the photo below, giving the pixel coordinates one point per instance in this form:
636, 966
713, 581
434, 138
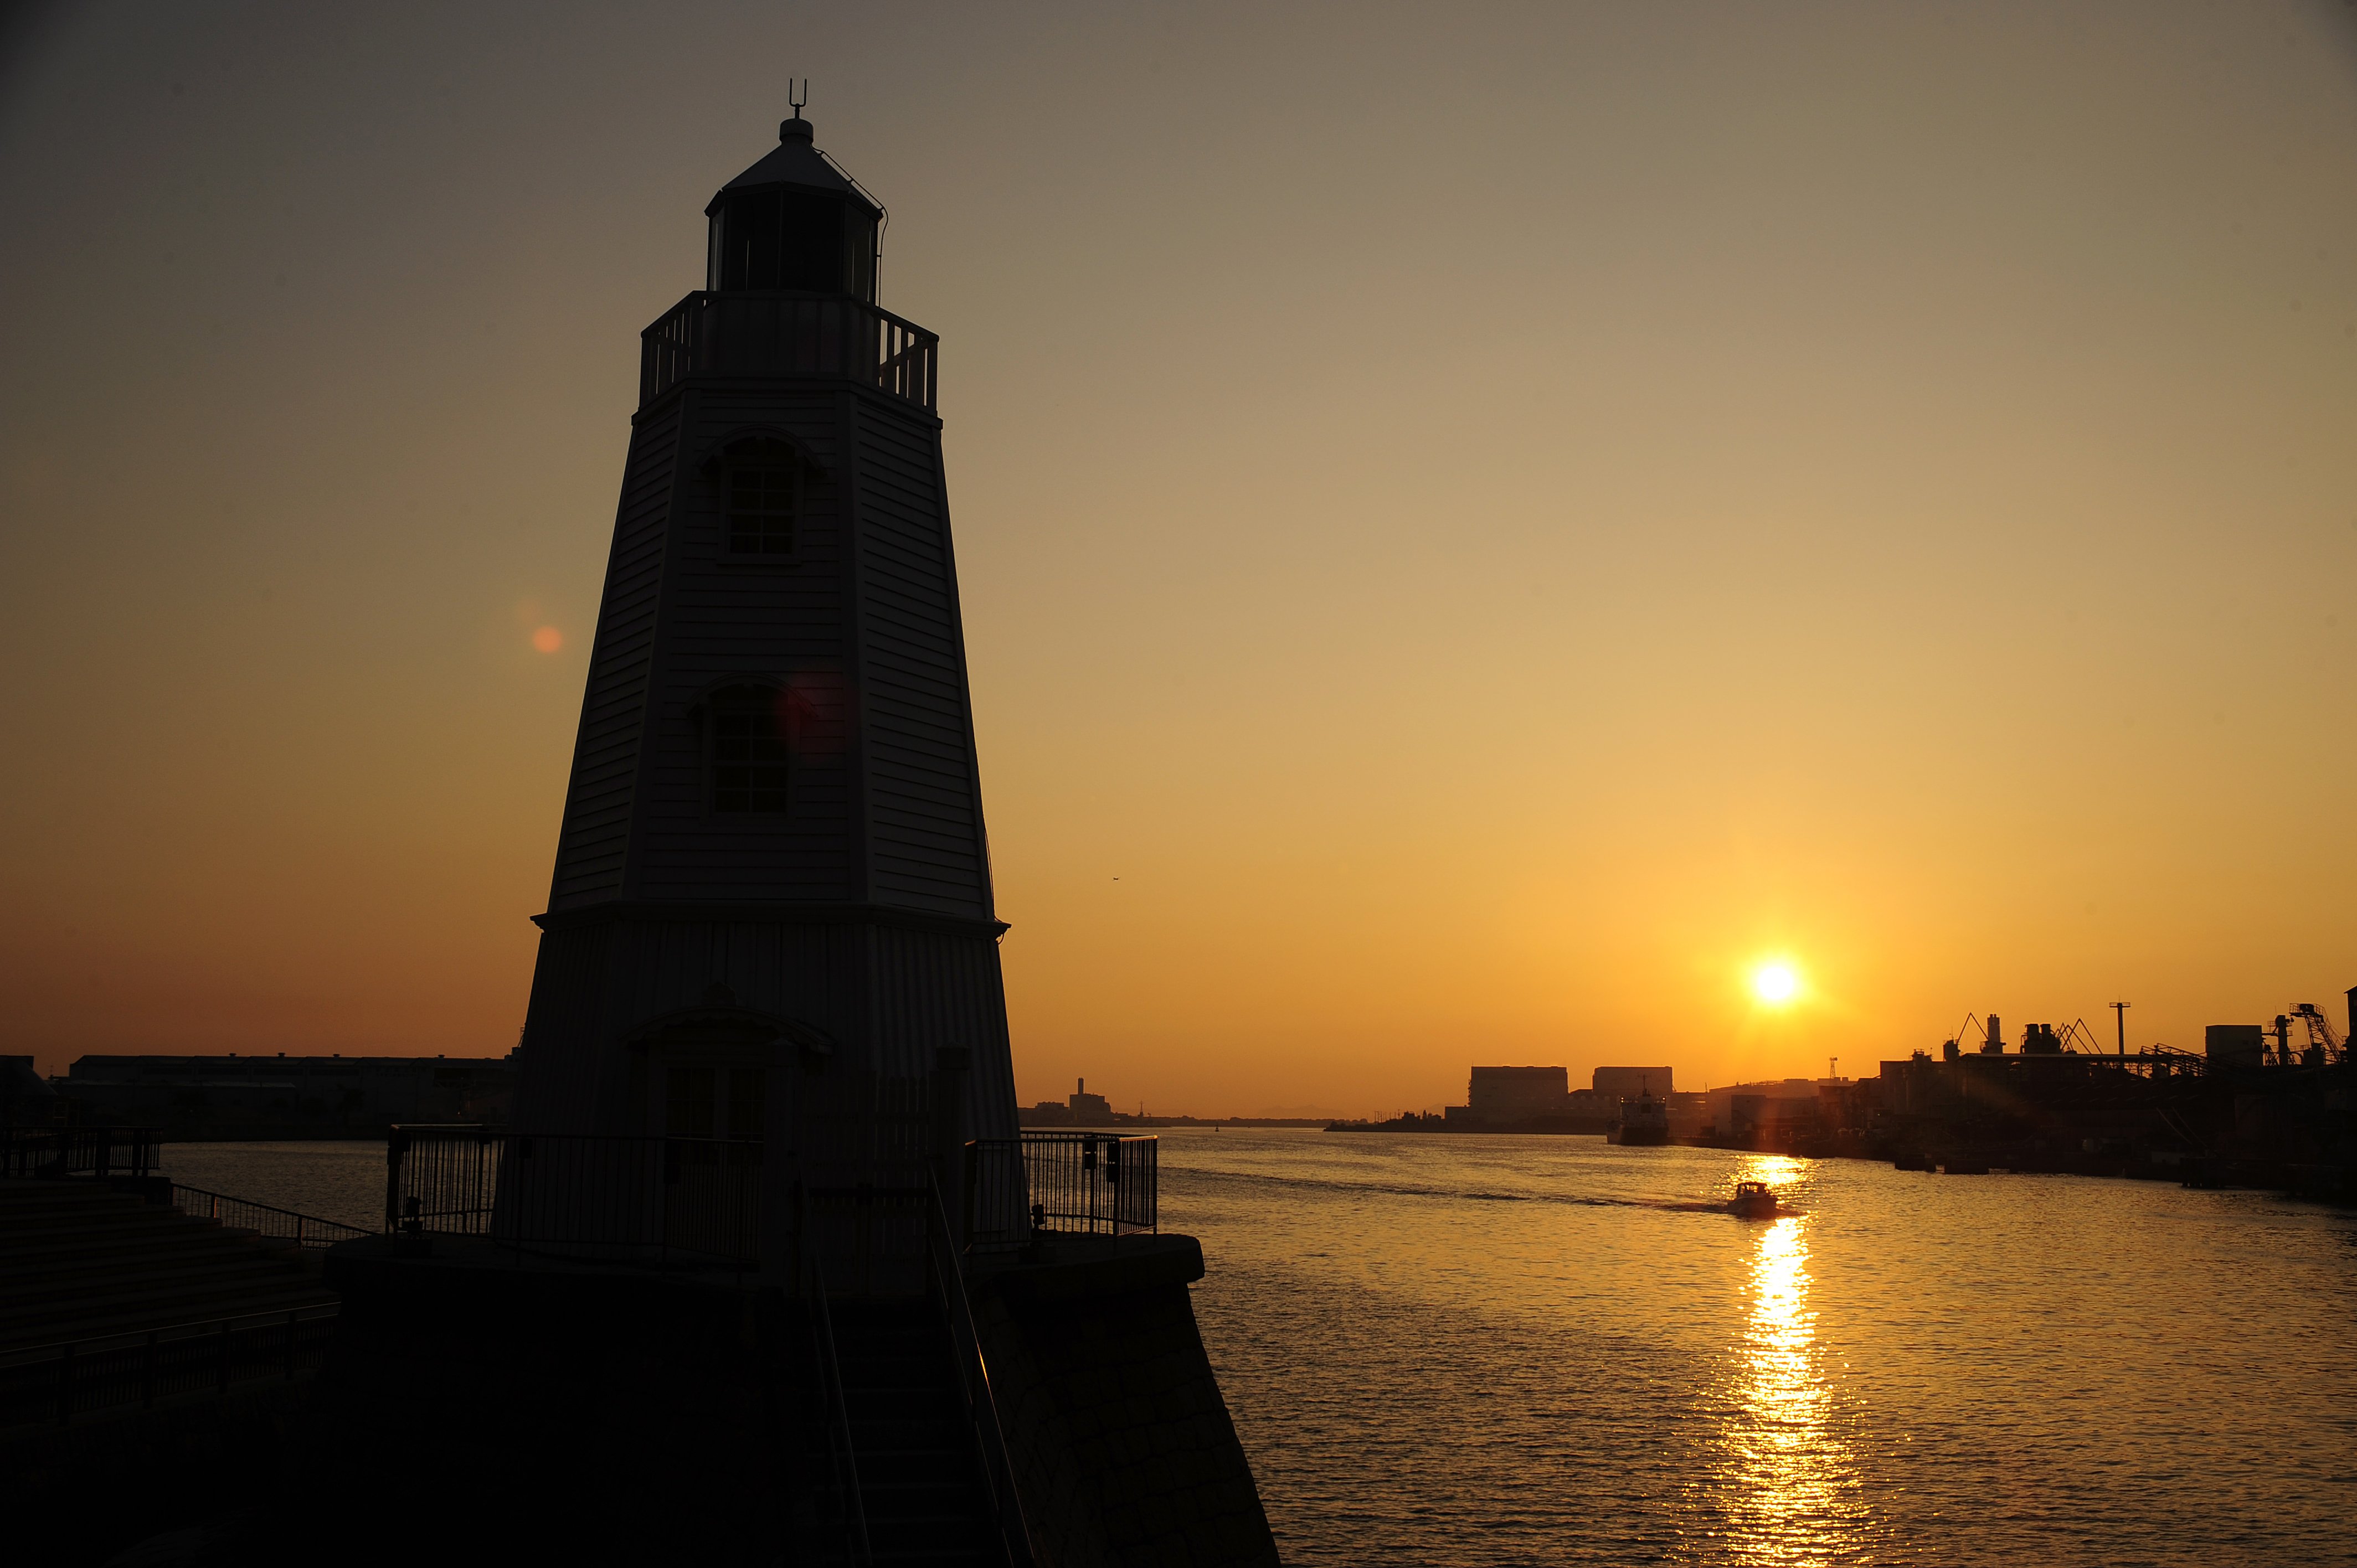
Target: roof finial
796, 129
797, 104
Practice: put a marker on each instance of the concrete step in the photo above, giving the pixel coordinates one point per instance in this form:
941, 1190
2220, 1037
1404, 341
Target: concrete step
121, 1278
130, 1214
34, 1243
102, 1326
78, 1261
920, 1479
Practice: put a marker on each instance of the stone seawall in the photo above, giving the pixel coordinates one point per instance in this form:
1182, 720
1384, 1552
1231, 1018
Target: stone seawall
1121, 1444
479, 1404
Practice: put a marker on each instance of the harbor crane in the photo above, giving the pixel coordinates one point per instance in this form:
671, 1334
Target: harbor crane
2320, 1033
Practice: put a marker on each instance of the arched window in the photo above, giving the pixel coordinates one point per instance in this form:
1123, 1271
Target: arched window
749, 749
763, 498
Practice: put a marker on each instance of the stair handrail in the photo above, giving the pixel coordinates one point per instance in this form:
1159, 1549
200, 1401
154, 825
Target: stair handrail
222, 1208
973, 1382
136, 1384
312, 1312
839, 1414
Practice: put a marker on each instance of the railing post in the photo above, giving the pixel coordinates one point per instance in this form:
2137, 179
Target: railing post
290, 1344
396, 1144
972, 1186
65, 1386
952, 1065
220, 1367
147, 1373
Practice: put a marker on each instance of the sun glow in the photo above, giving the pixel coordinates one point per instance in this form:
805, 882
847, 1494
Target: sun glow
1776, 983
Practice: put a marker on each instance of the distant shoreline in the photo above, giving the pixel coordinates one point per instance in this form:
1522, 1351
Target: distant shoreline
1120, 1122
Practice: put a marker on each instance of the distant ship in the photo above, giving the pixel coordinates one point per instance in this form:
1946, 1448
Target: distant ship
1643, 1120
1753, 1201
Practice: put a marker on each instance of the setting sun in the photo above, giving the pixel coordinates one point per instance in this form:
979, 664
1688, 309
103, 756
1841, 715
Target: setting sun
1775, 985
548, 639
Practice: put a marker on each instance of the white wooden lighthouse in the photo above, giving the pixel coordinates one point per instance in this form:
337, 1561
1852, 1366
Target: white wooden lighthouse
771, 910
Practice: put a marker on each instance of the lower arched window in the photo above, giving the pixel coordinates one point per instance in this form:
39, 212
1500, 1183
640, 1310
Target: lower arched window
749, 749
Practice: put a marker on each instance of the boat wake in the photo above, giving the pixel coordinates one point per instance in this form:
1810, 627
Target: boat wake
1464, 1194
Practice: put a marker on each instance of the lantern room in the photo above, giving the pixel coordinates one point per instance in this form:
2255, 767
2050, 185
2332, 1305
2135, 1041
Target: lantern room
793, 222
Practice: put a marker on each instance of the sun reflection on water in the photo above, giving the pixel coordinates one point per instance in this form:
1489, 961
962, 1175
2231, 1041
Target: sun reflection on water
1787, 1486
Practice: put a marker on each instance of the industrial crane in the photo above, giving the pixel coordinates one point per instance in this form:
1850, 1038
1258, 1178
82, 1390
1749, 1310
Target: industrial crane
2321, 1034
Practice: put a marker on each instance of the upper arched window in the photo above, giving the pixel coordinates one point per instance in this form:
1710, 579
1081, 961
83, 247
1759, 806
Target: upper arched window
763, 482
749, 749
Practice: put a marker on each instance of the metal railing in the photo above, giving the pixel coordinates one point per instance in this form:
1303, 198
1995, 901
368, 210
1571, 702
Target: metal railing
278, 1224
650, 1201
1104, 1184
78, 1151
55, 1383
839, 1413
947, 1278
780, 333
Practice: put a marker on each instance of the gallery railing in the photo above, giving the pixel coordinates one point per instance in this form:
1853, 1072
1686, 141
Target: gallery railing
780, 333
279, 1224
1102, 1184
52, 1384
658, 1202
78, 1151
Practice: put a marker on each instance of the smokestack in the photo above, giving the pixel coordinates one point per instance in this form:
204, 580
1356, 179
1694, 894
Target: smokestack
2353, 1010
1995, 1045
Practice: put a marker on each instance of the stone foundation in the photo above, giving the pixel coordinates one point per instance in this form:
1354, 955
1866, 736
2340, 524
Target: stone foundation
1123, 1448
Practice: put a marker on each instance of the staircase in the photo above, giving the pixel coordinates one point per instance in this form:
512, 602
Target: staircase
80, 1260
919, 1476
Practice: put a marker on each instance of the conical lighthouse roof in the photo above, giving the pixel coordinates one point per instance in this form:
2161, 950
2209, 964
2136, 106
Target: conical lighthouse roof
795, 163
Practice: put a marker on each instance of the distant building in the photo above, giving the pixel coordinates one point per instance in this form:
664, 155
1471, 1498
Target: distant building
2235, 1045
1079, 1108
1773, 1108
25, 1099
1509, 1097
285, 1097
1629, 1082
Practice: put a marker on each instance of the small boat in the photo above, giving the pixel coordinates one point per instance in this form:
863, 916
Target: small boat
1753, 1201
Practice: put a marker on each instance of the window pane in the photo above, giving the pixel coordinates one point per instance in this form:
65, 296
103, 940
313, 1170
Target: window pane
747, 1102
749, 761
687, 1110
760, 501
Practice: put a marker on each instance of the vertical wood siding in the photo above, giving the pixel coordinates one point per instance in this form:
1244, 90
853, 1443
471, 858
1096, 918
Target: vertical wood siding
889, 997
929, 990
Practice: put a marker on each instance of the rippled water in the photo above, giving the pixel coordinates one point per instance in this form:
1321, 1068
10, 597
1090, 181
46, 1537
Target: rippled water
1457, 1351
342, 1181
1473, 1351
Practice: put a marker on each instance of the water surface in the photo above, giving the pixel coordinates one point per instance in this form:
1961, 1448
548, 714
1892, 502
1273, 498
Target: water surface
1474, 1351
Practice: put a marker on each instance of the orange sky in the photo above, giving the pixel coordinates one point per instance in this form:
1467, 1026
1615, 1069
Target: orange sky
1486, 520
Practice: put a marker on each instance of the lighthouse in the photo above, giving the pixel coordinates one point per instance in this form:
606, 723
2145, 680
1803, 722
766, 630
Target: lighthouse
770, 916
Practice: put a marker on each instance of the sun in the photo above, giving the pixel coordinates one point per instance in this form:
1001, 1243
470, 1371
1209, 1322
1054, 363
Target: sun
1776, 983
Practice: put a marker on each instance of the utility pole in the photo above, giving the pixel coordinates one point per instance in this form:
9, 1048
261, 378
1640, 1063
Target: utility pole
2120, 1011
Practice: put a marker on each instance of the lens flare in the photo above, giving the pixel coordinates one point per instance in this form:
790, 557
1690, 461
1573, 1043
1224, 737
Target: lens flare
548, 639
1776, 983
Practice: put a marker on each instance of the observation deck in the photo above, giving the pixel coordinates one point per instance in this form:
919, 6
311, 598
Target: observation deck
786, 332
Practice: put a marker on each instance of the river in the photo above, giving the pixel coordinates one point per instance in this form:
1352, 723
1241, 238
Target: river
1477, 1352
